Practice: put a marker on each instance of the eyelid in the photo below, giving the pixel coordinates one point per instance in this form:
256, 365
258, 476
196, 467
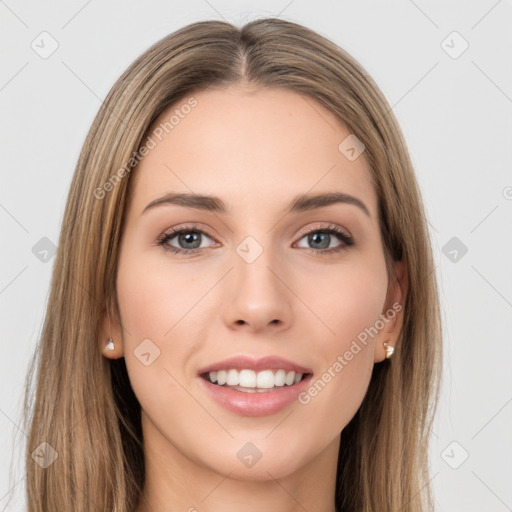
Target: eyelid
189, 227
302, 232
325, 226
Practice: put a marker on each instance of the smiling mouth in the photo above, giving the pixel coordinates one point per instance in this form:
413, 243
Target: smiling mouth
250, 381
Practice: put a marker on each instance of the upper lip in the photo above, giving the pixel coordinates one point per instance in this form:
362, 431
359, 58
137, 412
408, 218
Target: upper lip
256, 364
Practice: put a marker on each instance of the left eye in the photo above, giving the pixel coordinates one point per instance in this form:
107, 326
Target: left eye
322, 239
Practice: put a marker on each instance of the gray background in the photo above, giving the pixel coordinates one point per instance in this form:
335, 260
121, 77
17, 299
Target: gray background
455, 113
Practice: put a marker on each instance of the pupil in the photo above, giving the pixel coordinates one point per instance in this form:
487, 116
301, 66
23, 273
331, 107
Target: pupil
189, 238
314, 237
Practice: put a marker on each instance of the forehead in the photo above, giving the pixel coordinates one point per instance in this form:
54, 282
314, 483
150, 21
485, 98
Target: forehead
241, 142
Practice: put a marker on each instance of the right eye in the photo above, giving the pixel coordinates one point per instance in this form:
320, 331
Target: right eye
188, 240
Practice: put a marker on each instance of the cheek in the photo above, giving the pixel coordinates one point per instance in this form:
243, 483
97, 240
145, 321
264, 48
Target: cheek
346, 299
361, 300
349, 303
154, 297
153, 304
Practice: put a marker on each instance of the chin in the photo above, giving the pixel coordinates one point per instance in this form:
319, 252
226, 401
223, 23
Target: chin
258, 461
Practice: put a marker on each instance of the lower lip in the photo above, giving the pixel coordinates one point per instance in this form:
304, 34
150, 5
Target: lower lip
255, 404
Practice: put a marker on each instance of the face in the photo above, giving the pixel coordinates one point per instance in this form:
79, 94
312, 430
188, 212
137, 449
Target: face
254, 283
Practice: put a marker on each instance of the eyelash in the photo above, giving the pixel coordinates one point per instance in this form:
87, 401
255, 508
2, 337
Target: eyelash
329, 229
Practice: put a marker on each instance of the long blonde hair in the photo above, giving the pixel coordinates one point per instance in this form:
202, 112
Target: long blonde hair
83, 405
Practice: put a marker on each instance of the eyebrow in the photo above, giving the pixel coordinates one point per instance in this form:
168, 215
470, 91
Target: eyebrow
298, 204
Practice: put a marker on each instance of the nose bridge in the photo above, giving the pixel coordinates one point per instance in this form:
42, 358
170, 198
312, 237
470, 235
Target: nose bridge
258, 296
252, 268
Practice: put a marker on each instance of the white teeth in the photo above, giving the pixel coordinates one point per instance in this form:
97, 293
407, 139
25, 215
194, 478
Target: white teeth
247, 378
290, 377
221, 377
265, 379
232, 379
279, 377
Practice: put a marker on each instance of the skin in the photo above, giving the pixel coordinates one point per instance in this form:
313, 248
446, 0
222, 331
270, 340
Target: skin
256, 149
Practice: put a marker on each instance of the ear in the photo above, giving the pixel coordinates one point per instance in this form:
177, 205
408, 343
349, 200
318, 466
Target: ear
394, 310
110, 329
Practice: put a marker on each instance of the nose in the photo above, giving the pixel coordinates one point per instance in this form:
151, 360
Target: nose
258, 296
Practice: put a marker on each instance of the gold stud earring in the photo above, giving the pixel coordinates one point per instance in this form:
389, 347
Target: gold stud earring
389, 350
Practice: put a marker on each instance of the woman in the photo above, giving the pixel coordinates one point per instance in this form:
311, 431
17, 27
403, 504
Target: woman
288, 358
